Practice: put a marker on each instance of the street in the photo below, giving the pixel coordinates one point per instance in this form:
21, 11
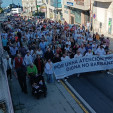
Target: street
56, 56
96, 89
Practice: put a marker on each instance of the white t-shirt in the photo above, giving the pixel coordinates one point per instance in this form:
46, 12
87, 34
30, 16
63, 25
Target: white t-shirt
76, 55
39, 52
82, 50
90, 39
48, 68
28, 59
67, 48
65, 58
89, 54
62, 58
100, 51
68, 43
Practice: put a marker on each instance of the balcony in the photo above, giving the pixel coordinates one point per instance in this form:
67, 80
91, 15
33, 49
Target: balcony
78, 4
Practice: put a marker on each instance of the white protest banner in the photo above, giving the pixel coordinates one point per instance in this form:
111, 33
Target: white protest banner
83, 64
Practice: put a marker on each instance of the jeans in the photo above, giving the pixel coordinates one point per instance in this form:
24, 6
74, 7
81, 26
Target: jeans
50, 78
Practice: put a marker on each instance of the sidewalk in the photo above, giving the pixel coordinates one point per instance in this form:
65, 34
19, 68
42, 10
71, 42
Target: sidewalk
58, 100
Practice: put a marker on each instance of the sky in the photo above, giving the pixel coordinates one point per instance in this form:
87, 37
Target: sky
7, 2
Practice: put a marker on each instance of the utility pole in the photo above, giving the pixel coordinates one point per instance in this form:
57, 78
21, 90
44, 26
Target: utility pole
36, 6
91, 19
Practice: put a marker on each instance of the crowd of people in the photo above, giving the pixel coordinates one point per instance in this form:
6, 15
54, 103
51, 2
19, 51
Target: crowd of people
35, 44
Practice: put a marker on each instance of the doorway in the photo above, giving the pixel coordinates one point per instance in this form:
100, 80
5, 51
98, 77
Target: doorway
72, 20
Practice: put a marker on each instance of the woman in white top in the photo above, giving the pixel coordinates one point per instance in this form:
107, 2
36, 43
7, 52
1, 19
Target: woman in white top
89, 53
78, 54
49, 71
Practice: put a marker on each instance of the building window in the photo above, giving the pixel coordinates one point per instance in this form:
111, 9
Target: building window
65, 11
79, 2
56, 3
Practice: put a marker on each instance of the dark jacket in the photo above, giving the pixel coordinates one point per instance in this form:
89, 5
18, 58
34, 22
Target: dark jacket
21, 71
56, 59
42, 63
49, 55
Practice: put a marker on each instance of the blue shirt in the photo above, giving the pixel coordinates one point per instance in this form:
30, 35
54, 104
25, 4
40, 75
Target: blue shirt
87, 48
4, 42
42, 45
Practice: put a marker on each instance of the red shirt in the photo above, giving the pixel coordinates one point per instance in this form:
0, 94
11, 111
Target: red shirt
18, 62
39, 65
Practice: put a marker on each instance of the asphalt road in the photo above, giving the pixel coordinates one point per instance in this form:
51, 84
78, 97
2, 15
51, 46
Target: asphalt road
96, 89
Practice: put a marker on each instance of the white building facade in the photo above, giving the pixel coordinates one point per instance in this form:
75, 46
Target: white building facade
76, 11
103, 16
54, 9
29, 6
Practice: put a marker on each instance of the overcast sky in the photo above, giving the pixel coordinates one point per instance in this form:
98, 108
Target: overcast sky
7, 2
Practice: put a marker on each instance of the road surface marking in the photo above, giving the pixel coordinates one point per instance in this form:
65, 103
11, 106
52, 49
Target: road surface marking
82, 100
109, 73
77, 101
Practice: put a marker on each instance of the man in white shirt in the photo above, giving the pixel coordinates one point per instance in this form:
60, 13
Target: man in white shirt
13, 51
39, 52
100, 51
28, 59
82, 49
94, 46
68, 43
90, 39
49, 71
65, 57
